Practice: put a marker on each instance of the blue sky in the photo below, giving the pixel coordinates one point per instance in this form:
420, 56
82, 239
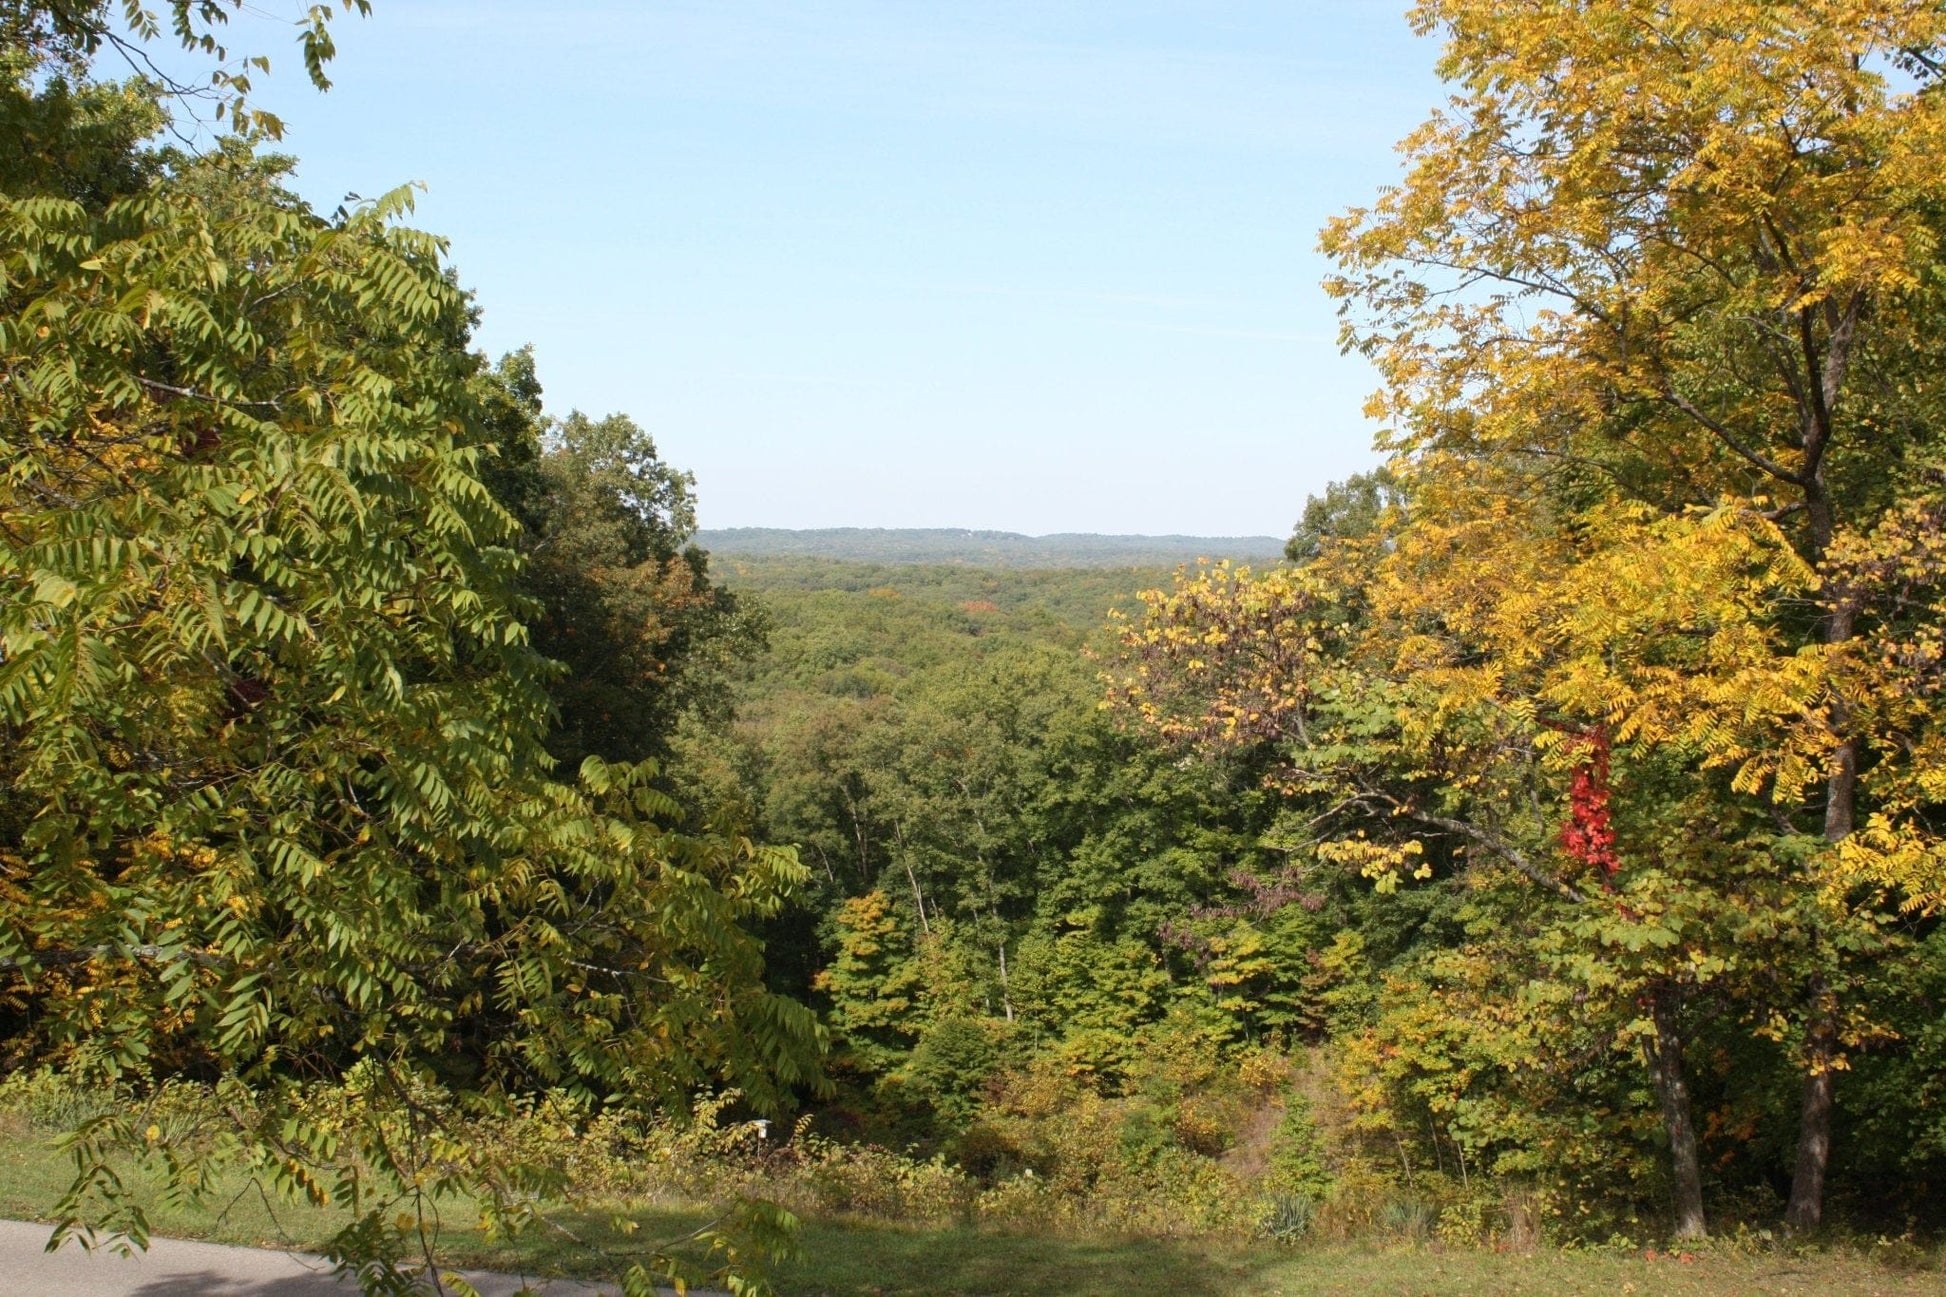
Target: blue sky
1033, 266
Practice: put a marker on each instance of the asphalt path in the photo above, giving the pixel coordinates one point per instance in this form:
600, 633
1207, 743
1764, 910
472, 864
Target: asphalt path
171, 1268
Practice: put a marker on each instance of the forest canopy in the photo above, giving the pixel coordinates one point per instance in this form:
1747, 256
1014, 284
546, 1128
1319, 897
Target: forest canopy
1546, 844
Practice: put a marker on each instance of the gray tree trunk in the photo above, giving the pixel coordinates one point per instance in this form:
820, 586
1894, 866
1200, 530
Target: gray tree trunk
1672, 1087
1806, 1208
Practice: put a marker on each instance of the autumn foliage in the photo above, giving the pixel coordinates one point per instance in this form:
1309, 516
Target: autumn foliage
1655, 311
1588, 832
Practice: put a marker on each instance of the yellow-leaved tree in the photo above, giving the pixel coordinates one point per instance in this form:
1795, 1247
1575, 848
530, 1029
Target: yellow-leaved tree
1657, 311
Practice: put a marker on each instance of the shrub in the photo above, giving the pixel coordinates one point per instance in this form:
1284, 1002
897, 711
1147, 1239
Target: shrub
1297, 1165
1286, 1217
52, 1104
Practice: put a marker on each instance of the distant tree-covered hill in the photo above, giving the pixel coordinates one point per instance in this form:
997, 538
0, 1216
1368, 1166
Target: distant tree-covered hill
983, 548
1032, 600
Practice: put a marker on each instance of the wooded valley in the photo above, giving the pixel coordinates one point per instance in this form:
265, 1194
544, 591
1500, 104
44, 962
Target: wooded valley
399, 805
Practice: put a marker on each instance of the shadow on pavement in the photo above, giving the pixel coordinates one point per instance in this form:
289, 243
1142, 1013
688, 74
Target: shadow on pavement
209, 1283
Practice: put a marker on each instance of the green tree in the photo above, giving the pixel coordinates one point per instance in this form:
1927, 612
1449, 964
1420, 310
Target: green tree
622, 600
274, 800
1348, 510
872, 986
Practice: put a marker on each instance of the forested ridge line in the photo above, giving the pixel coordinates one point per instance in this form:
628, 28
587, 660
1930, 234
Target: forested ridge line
981, 548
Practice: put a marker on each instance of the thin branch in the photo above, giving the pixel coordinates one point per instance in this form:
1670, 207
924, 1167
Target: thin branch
87, 954
1506, 850
190, 394
1730, 439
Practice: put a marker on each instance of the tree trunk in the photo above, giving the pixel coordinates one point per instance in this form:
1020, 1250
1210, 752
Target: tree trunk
918, 897
1806, 1207
1841, 792
1672, 1087
1805, 1210
1006, 994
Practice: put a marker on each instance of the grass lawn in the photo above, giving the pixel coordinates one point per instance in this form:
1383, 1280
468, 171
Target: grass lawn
870, 1259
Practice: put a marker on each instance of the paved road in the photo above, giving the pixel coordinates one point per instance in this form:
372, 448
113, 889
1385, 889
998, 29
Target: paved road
174, 1269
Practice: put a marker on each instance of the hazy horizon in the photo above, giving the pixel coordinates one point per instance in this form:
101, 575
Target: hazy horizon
964, 546
997, 531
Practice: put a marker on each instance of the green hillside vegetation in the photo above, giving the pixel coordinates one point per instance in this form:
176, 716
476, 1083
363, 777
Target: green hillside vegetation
1048, 946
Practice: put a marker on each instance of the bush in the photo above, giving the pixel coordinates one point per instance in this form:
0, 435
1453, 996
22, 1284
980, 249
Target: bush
1191, 1150
865, 1180
52, 1104
1297, 1164
1408, 1219
1286, 1217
